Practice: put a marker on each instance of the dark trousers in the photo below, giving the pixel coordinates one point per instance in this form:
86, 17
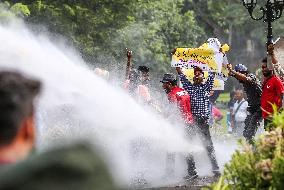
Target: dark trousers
170, 160
252, 122
191, 168
170, 164
203, 130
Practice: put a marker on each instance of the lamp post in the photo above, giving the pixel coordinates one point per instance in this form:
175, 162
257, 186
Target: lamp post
271, 11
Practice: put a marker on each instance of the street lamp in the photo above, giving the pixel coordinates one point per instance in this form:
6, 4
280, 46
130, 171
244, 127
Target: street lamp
271, 11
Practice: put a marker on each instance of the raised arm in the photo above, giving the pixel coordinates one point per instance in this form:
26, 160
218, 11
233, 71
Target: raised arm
186, 84
279, 71
239, 76
270, 51
210, 81
128, 65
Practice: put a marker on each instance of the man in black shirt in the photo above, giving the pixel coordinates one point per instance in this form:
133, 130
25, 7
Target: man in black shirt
252, 87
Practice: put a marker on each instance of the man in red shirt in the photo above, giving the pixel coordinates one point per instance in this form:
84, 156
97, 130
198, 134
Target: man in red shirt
272, 94
178, 96
181, 99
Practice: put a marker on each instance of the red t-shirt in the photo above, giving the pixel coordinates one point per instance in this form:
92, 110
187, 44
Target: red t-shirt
182, 98
272, 88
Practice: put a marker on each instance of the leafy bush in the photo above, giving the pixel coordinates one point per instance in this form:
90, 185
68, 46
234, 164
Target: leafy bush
257, 167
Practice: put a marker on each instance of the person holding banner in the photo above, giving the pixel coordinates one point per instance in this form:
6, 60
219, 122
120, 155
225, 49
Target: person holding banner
180, 98
253, 90
199, 94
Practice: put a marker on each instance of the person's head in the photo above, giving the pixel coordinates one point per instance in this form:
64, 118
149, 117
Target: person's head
241, 69
169, 81
239, 95
144, 73
265, 70
17, 127
198, 75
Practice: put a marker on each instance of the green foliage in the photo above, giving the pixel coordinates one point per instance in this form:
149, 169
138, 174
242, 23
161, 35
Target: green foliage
278, 119
20, 10
257, 167
159, 28
102, 29
224, 97
220, 185
8, 12
88, 25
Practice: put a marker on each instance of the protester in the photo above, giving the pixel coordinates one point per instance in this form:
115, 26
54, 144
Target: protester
137, 86
180, 98
143, 86
199, 94
73, 167
137, 81
239, 113
253, 90
17, 132
278, 70
70, 167
272, 95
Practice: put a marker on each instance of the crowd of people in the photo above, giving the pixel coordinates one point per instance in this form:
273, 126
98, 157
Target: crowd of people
263, 100
250, 105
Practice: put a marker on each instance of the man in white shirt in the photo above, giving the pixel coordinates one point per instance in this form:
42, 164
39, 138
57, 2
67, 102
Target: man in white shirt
239, 113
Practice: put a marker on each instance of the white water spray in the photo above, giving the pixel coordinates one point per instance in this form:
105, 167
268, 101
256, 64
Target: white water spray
75, 104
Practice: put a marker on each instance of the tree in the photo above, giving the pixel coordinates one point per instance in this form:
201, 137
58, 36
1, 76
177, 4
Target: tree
16, 10
159, 27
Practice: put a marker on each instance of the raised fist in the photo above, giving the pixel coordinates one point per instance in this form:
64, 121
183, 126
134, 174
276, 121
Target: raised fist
128, 53
270, 49
230, 67
173, 51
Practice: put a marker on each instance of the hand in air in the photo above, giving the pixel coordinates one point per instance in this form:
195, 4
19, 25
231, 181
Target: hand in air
128, 53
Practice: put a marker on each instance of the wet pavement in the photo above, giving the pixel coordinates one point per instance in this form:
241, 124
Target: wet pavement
195, 184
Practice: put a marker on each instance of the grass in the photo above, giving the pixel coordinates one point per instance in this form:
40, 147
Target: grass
224, 97
221, 103
224, 119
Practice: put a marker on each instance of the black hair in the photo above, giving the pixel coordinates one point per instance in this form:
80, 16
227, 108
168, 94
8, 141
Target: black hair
174, 82
245, 72
198, 69
264, 60
143, 69
16, 103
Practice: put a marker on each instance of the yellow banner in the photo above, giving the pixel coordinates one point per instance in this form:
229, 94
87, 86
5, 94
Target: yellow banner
210, 56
